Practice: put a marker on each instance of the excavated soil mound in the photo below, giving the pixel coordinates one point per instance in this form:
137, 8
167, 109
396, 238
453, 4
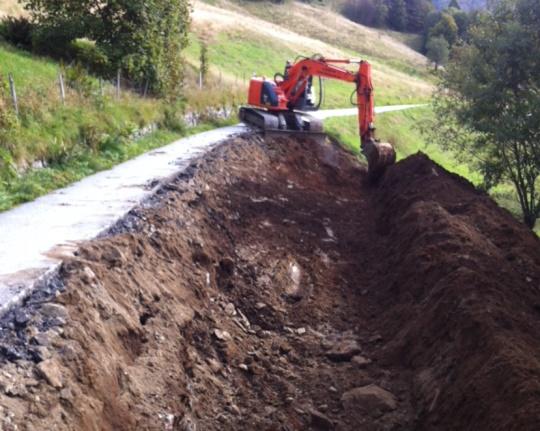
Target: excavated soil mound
270, 287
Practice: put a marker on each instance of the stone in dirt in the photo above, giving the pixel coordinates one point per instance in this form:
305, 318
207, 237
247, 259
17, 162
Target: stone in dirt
54, 311
320, 421
370, 399
50, 370
113, 257
361, 361
343, 350
222, 335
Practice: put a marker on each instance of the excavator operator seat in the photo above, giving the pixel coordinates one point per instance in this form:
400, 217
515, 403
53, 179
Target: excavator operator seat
262, 93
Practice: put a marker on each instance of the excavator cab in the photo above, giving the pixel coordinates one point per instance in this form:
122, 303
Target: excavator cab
280, 106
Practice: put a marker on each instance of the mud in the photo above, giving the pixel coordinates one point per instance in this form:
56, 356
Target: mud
270, 287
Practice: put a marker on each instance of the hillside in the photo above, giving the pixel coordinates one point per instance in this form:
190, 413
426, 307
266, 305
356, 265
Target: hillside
56, 144
259, 38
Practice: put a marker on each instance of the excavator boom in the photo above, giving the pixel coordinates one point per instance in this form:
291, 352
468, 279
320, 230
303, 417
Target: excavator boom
280, 106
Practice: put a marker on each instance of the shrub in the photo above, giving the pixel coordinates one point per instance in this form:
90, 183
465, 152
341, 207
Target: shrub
86, 52
78, 79
52, 40
173, 119
17, 31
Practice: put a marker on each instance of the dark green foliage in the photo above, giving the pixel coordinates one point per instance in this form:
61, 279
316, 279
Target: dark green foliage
381, 14
397, 15
438, 51
462, 21
417, 11
454, 4
17, 31
447, 28
88, 54
144, 38
489, 104
400, 15
77, 78
361, 11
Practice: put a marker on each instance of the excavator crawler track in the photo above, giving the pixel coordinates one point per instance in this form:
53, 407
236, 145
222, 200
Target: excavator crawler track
284, 123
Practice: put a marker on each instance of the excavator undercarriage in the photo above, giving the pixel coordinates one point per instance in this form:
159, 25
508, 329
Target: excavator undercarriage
288, 123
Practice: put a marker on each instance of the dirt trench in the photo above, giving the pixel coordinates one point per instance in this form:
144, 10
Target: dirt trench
269, 287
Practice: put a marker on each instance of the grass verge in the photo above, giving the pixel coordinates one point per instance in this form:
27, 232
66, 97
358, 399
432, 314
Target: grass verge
38, 182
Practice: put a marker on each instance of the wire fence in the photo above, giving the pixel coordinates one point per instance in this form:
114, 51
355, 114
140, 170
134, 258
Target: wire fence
209, 96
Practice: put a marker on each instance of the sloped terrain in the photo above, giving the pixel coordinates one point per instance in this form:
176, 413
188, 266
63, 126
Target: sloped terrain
260, 37
269, 287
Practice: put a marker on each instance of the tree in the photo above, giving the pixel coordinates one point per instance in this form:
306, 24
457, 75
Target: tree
145, 38
454, 4
438, 51
361, 11
462, 21
488, 106
397, 15
381, 14
447, 28
417, 11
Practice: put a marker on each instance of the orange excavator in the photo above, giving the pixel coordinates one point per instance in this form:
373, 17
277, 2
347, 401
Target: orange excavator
281, 105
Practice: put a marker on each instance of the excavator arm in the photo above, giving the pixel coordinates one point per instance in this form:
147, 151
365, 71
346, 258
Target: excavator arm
275, 105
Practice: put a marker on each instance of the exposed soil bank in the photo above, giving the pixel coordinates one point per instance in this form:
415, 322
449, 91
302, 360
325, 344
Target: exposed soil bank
270, 288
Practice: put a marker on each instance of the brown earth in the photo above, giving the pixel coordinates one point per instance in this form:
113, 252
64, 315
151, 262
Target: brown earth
270, 288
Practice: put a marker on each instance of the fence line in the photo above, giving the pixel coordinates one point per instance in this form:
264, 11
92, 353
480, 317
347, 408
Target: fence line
65, 86
13, 92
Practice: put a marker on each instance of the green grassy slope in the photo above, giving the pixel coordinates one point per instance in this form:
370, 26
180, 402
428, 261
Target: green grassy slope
248, 39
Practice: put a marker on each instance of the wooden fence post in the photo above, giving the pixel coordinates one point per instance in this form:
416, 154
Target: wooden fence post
146, 87
118, 78
62, 88
13, 94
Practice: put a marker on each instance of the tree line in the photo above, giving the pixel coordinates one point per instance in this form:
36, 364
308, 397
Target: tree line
399, 15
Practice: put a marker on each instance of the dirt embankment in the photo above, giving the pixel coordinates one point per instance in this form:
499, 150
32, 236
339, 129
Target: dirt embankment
270, 288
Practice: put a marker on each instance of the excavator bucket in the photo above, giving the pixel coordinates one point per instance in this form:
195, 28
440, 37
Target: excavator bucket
379, 155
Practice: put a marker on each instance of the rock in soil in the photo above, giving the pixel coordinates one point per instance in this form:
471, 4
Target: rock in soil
368, 399
50, 370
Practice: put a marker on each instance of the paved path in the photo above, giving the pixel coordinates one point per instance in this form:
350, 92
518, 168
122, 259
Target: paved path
34, 236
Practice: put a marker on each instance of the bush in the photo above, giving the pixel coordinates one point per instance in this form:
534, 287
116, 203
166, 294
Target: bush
52, 41
86, 52
173, 119
78, 79
17, 31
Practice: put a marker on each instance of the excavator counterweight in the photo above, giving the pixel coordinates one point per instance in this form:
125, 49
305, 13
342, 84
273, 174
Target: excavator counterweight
282, 105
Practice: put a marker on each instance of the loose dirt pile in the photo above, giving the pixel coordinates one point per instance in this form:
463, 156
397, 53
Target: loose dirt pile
270, 288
